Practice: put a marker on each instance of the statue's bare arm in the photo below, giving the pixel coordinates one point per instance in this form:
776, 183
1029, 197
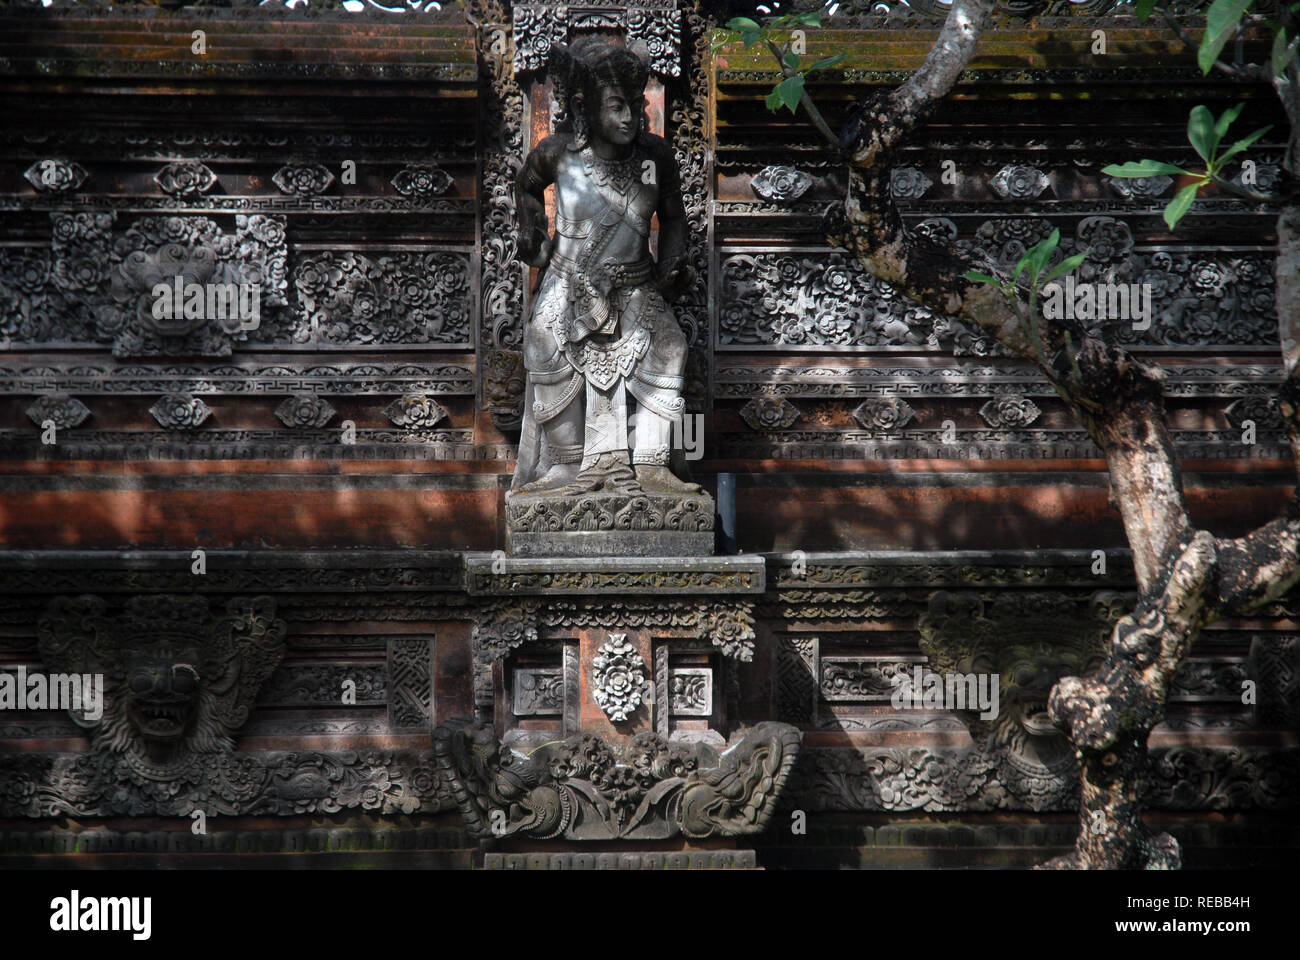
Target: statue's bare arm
674, 272
537, 173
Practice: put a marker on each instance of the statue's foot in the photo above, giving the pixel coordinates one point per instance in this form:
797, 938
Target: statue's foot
555, 479
656, 478
609, 473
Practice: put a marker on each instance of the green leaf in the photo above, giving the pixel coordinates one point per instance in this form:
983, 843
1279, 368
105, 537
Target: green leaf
749, 37
1243, 143
1200, 131
742, 24
981, 278
827, 62
1141, 168
1220, 26
1022, 263
1280, 59
1042, 251
789, 91
792, 60
1224, 122
1144, 9
773, 100
1068, 265
812, 18
1181, 203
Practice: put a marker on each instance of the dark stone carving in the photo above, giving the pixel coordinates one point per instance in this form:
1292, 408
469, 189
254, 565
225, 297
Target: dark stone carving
55, 176
88, 287
909, 183
769, 413
66, 412
537, 30
657, 32
618, 680
889, 413
303, 179
581, 789
248, 378
503, 388
652, 28
1030, 641
180, 411
274, 783
501, 120
953, 779
538, 692
796, 678
690, 691
185, 178
179, 682
1145, 188
542, 524
801, 300
1275, 666
422, 180
1019, 182
781, 184
1261, 409
416, 412
305, 410
858, 679
300, 684
824, 299
1010, 410
407, 298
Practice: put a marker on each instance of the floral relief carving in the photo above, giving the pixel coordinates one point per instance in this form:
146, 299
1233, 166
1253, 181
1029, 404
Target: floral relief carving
422, 180
53, 175
305, 410
781, 183
185, 178
65, 412
180, 411
886, 413
303, 179
618, 681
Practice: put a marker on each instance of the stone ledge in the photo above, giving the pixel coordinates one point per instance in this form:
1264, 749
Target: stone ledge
650, 860
491, 576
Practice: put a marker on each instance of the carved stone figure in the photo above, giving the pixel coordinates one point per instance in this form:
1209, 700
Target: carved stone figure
179, 682
1030, 642
603, 351
582, 790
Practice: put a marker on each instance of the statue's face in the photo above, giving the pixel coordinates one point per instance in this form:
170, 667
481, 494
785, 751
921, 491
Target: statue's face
617, 118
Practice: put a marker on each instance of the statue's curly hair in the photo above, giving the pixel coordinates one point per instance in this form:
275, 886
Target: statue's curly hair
580, 69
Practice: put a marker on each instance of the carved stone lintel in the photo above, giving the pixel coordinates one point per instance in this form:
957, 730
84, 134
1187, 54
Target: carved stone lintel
582, 789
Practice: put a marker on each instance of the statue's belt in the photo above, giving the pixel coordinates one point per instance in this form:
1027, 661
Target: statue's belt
620, 274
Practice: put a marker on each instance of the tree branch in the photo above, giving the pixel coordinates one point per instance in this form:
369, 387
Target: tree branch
805, 101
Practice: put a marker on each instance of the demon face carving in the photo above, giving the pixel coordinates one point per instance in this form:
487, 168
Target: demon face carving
1030, 640
179, 682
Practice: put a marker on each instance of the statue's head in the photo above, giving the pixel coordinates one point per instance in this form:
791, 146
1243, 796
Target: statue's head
600, 89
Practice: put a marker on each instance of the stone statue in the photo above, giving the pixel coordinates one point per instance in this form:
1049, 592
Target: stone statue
603, 352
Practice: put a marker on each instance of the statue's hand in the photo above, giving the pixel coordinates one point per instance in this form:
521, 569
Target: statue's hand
538, 252
673, 277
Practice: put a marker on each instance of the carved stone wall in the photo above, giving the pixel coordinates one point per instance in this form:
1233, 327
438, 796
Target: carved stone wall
340, 463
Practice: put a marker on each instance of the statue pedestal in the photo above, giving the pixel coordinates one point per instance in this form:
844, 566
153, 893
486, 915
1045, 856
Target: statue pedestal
609, 707
609, 525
